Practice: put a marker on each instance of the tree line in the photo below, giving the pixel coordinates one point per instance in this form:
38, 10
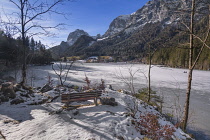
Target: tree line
11, 51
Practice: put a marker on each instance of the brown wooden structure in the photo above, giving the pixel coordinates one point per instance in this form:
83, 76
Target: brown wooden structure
83, 96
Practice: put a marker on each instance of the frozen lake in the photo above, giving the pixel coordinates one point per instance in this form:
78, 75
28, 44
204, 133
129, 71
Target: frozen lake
170, 83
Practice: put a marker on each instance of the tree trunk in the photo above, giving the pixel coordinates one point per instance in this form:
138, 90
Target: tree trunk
23, 45
149, 82
187, 102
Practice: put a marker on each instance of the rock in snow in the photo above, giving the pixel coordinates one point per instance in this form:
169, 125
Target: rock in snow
46, 88
108, 101
8, 90
17, 101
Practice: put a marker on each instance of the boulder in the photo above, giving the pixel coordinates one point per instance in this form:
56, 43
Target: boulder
110, 87
108, 101
8, 90
9, 79
63, 89
17, 101
75, 112
3, 98
46, 88
30, 91
6, 85
1, 81
17, 87
24, 94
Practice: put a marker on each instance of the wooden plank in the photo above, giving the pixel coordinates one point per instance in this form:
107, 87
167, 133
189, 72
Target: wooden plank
78, 99
83, 92
81, 99
66, 95
84, 98
66, 98
78, 96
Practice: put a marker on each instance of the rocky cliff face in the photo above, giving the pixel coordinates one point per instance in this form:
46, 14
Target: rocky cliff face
73, 36
78, 47
60, 50
165, 11
118, 25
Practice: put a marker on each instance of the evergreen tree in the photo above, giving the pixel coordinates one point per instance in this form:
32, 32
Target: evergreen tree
32, 45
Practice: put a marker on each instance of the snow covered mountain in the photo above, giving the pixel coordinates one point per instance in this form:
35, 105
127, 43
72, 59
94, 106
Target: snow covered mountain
166, 11
118, 25
59, 50
73, 36
81, 43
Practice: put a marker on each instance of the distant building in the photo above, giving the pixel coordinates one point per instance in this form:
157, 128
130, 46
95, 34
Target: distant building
99, 59
92, 59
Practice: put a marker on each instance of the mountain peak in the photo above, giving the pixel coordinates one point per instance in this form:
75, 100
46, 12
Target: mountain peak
153, 11
117, 25
73, 36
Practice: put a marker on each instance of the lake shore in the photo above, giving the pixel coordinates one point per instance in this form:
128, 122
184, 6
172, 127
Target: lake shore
169, 82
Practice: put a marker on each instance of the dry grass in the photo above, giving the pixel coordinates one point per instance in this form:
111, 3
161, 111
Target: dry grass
11, 121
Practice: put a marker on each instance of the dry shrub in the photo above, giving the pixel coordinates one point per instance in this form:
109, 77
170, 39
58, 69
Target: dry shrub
11, 121
149, 126
101, 85
87, 81
96, 86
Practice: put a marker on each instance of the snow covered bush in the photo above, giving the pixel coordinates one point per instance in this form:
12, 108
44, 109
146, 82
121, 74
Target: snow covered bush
149, 126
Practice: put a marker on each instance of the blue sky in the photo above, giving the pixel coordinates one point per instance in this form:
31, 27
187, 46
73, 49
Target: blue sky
93, 16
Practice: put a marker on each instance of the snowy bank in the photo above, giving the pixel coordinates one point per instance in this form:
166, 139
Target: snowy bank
32, 122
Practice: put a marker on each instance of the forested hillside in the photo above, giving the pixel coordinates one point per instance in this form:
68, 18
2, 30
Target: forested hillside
176, 56
11, 52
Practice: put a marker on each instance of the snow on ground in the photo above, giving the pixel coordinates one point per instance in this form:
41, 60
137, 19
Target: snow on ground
102, 122
169, 82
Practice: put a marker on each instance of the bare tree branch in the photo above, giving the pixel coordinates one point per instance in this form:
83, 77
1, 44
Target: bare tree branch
62, 71
202, 41
43, 12
204, 44
15, 4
